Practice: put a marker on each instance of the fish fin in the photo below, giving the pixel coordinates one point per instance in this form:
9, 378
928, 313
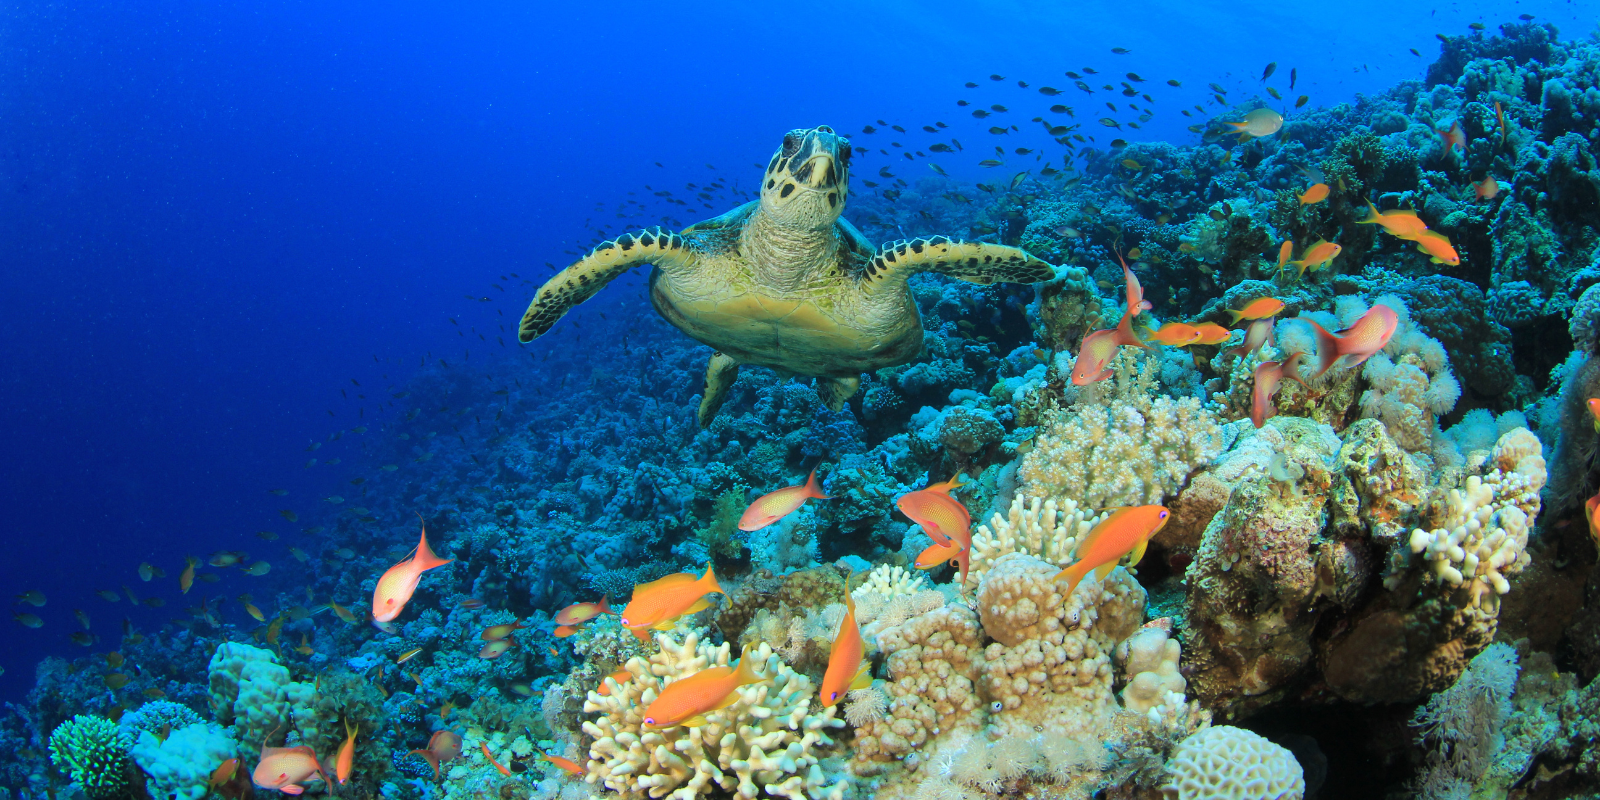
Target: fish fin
642, 635
298, 789
665, 625
699, 606
1237, 314
710, 580
430, 757
1103, 570
1073, 574
605, 606
425, 559
747, 669
863, 678
666, 580
1327, 349
1138, 552
694, 721
814, 489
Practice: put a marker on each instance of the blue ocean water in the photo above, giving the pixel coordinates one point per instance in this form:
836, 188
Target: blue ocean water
230, 235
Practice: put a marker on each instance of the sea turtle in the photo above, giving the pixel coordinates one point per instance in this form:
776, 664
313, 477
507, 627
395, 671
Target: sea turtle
784, 281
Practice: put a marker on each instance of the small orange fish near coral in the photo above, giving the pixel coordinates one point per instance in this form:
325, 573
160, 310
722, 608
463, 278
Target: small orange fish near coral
936, 554
1176, 334
619, 677
579, 613
1094, 357
1319, 254
567, 764
1127, 530
1268, 375
1454, 137
686, 701
1402, 223
347, 754
1211, 333
940, 515
1438, 248
495, 633
1368, 335
1316, 194
563, 631
442, 746
847, 669
1487, 188
490, 756
659, 603
1257, 309
1285, 252
223, 773
773, 506
496, 648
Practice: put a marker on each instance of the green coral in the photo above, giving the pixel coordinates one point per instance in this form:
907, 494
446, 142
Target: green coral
94, 753
721, 534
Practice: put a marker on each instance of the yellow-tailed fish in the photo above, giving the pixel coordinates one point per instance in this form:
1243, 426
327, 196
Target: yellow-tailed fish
1127, 530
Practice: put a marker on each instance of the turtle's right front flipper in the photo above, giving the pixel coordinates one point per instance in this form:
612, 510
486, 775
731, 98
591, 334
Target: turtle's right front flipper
590, 274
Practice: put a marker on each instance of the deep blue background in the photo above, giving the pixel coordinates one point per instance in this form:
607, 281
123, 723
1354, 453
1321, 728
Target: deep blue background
214, 217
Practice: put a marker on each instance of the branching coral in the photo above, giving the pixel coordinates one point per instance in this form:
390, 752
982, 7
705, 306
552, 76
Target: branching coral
1046, 529
1135, 448
94, 753
767, 743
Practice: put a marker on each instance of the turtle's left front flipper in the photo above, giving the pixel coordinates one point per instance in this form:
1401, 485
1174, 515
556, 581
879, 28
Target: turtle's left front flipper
590, 274
978, 262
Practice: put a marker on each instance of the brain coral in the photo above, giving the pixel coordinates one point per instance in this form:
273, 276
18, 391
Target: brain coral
767, 743
1228, 763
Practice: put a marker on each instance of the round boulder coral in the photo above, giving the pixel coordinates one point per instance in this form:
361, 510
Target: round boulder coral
1228, 763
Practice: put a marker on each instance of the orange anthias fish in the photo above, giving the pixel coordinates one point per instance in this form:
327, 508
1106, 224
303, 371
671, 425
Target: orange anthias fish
1094, 358
939, 514
1285, 252
1593, 404
1500, 116
579, 613
1136, 305
442, 746
567, 764
1127, 530
1359, 341
223, 773
847, 669
1257, 309
619, 677
495, 633
1176, 334
1403, 223
658, 604
1268, 375
1317, 255
186, 580
563, 631
688, 700
497, 648
1487, 188
1316, 194
1438, 248
490, 756
1211, 333
396, 586
347, 754
937, 554
1454, 137
1591, 509
1258, 334
773, 506
285, 768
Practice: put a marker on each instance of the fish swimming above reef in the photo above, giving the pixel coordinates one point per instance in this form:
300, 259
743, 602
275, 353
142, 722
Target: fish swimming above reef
776, 505
443, 746
785, 281
286, 768
941, 516
1126, 531
1357, 343
686, 701
658, 604
1256, 124
847, 668
396, 586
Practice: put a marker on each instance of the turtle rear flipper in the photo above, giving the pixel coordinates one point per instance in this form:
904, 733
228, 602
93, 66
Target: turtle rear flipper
977, 262
720, 375
590, 274
835, 391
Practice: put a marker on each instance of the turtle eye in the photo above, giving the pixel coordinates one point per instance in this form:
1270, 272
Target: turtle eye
791, 144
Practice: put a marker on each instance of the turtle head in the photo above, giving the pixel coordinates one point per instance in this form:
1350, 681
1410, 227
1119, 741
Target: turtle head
807, 179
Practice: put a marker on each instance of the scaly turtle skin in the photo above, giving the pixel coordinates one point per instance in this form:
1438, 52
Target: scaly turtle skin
785, 282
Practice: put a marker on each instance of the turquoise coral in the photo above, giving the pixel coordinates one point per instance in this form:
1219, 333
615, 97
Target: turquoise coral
94, 753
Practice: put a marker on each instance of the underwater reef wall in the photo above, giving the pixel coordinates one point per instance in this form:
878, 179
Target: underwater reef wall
1373, 575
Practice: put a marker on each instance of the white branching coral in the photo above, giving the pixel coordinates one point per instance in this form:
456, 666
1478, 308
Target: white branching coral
890, 596
1048, 529
766, 744
1134, 448
1480, 533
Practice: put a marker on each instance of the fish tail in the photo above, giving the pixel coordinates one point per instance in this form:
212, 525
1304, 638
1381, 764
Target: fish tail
710, 580
1073, 574
1125, 333
813, 490
1236, 316
426, 559
1373, 217
1327, 349
430, 757
746, 674
605, 606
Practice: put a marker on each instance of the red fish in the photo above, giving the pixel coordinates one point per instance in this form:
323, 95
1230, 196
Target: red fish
1176, 334
773, 506
847, 669
1454, 138
1267, 376
1094, 358
285, 768
396, 586
442, 746
1258, 334
939, 514
1136, 305
1357, 343
579, 613
490, 756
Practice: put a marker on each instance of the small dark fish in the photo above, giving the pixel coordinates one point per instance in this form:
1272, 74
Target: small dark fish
1049, 91
1274, 93
1073, 75
1016, 180
1301, 101
1083, 86
1021, 151
1267, 73
1090, 71
1174, 84
1119, 142
980, 113
997, 77
1218, 89
1291, 78
957, 143
1023, 84
898, 129
997, 130
869, 129
988, 162
1059, 109
1121, 51
1110, 123
1525, 17
1414, 52
1217, 215
1133, 76
962, 103
971, 85
1477, 26
940, 147
1000, 108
